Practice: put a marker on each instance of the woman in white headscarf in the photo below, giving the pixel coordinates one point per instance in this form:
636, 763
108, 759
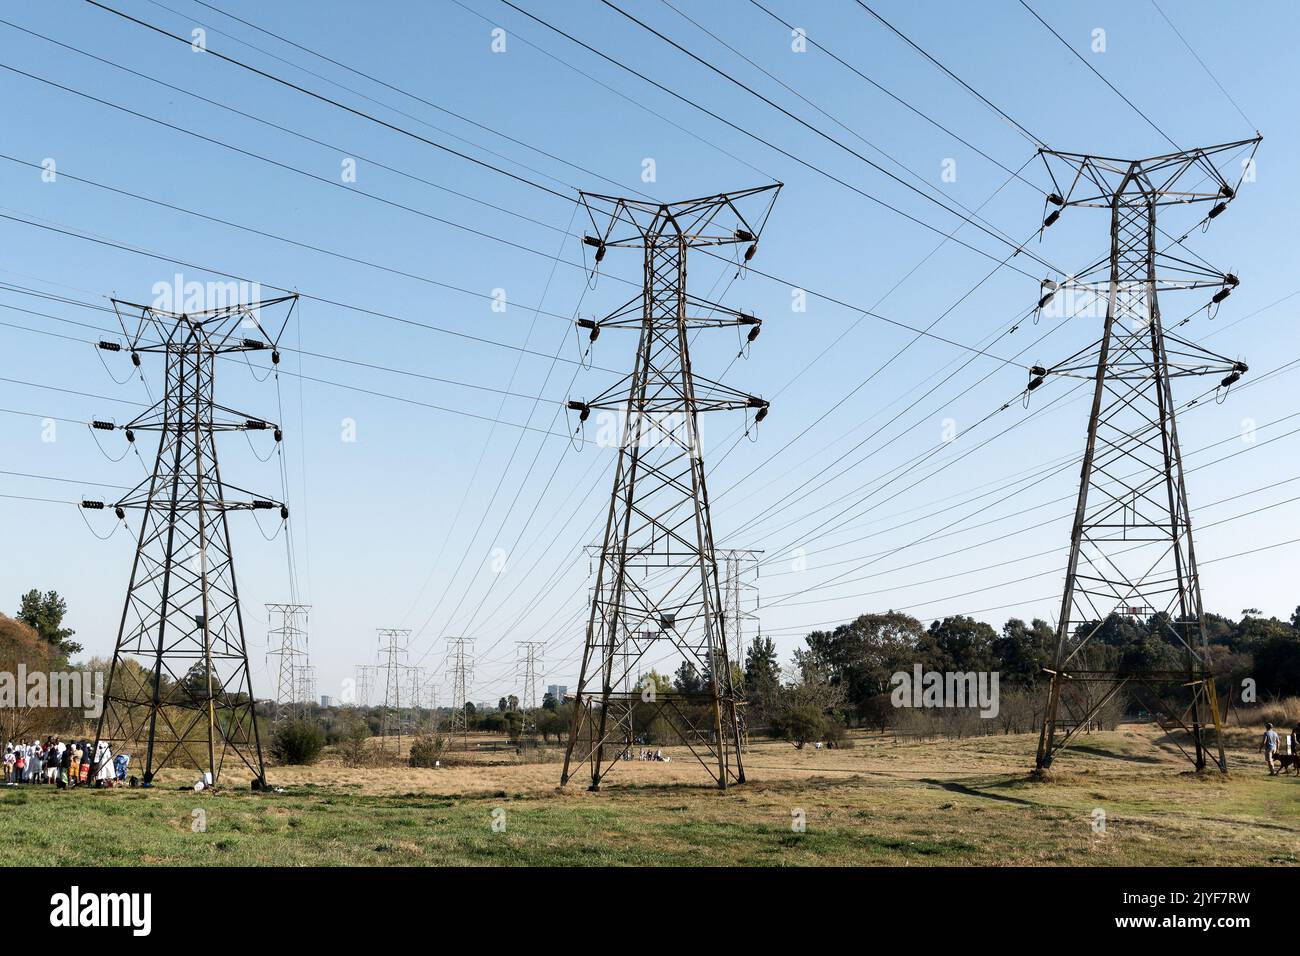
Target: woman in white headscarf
103, 764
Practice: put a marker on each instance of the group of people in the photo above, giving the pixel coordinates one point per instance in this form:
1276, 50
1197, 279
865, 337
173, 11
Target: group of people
1276, 755
63, 764
645, 755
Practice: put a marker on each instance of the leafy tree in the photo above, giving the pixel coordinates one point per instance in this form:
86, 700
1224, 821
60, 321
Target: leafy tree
44, 613
688, 679
860, 656
549, 702
1023, 650
958, 644
1277, 664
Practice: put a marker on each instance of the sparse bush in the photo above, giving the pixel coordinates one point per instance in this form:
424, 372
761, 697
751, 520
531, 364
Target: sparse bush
354, 733
297, 742
427, 749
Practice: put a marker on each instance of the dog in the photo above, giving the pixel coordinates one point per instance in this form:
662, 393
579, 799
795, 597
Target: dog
1287, 760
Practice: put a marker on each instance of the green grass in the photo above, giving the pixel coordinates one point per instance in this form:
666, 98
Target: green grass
864, 816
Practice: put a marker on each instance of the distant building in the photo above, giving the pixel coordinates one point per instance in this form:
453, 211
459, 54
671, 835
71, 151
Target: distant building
326, 700
557, 691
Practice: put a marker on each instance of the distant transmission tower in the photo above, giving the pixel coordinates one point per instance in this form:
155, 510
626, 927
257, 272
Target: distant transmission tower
365, 678
460, 665
415, 700
288, 640
392, 666
658, 515
739, 595
1131, 552
528, 682
180, 681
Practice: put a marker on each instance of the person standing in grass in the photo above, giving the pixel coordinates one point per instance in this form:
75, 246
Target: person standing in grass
75, 765
1269, 746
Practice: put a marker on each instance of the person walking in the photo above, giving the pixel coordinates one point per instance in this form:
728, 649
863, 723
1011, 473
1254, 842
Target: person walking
1269, 746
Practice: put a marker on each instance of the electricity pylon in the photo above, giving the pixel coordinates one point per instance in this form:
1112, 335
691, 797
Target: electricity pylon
180, 676
528, 684
738, 593
461, 667
365, 683
416, 695
1131, 550
392, 664
288, 640
658, 516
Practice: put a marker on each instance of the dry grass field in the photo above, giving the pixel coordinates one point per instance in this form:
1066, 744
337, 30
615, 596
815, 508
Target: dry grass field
970, 802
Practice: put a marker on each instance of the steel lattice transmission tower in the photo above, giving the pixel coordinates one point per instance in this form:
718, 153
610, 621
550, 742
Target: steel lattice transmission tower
739, 593
288, 640
180, 680
529, 679
1131, 551
460, 664
658, 516
365, 682
392, 664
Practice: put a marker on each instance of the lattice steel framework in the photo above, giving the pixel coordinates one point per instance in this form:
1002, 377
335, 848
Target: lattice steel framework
1131, 549
392, 667
180, 681
460, 665
529, 678
365, 683
288, 640
658, 517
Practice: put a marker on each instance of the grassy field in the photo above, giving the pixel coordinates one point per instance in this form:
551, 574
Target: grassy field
968, 802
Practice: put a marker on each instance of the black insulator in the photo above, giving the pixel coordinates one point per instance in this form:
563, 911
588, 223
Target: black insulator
592, 326
1217, 209
1037, 370
752, 250
110, 346
599, 245
753, 333
600, 253
1034, 383
1232, 280
130, 435
1047, 297
582, 408
284, 512
1054, 215
279, 435
1221, 295
254, 424
1234, 377
1240, 367
1055, 199
254, 344
261, 504
120, 512
102, 426
744, 235
135, 359
1226, 191
275, 356
93, 505
762, 414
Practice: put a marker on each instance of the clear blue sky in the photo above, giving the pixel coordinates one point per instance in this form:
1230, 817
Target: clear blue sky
399, 527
